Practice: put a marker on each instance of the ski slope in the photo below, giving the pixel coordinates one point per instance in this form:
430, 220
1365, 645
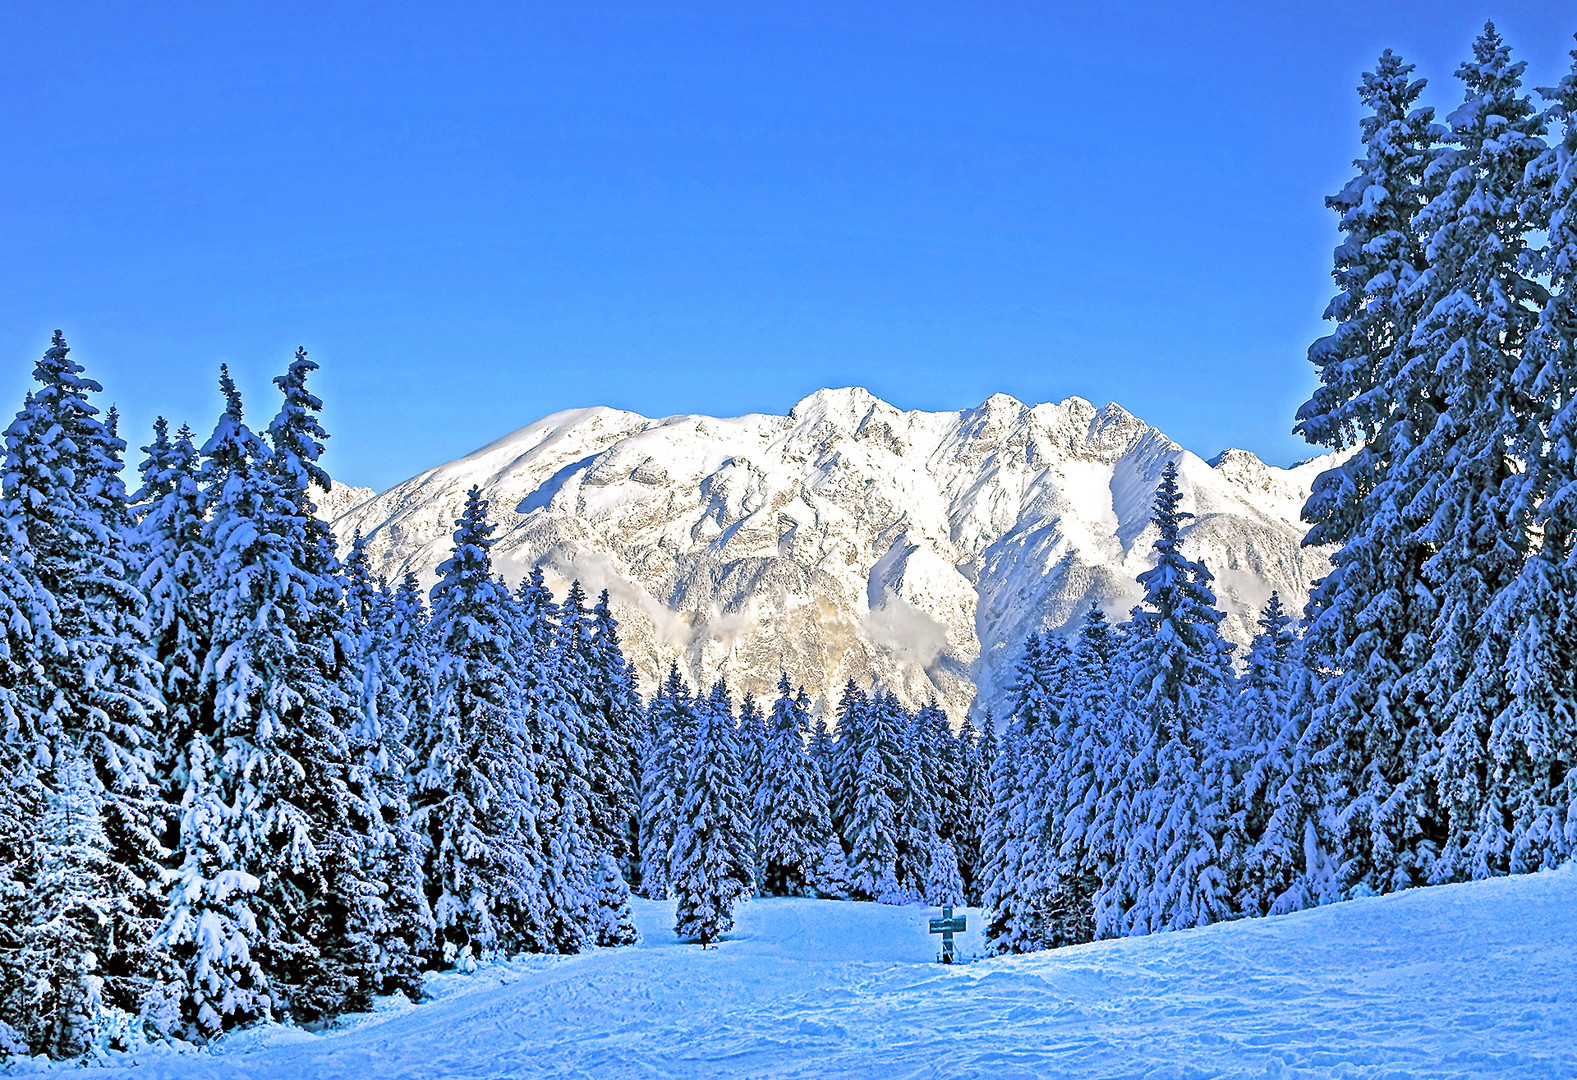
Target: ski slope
1462, 980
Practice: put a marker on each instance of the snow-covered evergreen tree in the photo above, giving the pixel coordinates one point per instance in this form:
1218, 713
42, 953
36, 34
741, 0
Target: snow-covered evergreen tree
613, 713
1369, 623
914, 800
94, 694
870, 832
1075, 856
1531, 741
172, 565
1178, 672
822, 747
552, 686
974, 784
1253, 765
1480, 311
25, 752
712, 868
943, 883
1019, 896
393, 920
71, 922
792, 826
664, 766
842, 765
475, 790
331, 935
615, 925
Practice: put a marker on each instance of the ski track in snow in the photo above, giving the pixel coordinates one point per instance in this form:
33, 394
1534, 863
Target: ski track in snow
1463, 980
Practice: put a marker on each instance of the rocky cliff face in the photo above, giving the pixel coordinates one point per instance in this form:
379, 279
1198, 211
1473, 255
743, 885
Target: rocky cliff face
849, 538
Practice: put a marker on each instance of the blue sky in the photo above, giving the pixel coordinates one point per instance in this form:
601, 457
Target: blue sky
474, 215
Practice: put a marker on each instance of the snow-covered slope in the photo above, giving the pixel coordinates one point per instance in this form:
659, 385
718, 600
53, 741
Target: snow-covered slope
1456, 981
850, 538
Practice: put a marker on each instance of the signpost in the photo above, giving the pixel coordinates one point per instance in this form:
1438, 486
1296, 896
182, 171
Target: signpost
947, 926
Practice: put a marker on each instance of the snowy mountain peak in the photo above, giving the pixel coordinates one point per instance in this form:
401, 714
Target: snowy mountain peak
851, 538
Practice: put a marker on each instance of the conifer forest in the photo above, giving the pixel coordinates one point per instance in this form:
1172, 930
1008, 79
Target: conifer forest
243, 778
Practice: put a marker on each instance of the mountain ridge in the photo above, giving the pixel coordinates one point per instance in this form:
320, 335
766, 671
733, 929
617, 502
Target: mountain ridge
849, 538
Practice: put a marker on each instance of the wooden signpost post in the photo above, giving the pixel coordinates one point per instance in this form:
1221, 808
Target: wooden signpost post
947, 926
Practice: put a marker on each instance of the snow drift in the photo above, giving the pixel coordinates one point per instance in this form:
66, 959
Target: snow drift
1451, 981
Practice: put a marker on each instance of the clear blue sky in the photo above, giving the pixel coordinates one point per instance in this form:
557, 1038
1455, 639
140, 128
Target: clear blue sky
473, 215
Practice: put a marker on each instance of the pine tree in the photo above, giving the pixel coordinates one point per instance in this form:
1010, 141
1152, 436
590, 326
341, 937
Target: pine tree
327, 932
1019, 896
25, 752
944, 885
1076, 855
95, 694
1178, 669
844, 763
613, 710
475, 794
792, 827
823, 750
1530, 743
1369, 624
173, 567
712, 870
1296, 862
393, 920
915, 801
871, 828
672, 724
1253, 766
553, 684
71, 921
974, 782
615, 925
1480, 312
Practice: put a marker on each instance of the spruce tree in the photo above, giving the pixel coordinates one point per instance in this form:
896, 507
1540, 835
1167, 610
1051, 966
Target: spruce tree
915, 802
25, 753
1480, 312
1019, 896
1253, 766
843, 763
792, 827
672, 725
613, 711
393, 921
615, 925
236, 811
1074, 833
1177, 667
1530, 742
1369, 624
327, 934
974, 782
475, 791
712, 869
871, 829
173, 566
553, 686
95, 695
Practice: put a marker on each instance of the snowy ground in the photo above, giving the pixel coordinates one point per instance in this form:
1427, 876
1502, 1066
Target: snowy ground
1465, 980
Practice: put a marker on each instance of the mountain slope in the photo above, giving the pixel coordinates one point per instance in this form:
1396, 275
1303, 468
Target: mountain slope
849, 538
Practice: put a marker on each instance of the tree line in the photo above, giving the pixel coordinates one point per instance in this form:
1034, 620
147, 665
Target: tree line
243, 778
1418, 725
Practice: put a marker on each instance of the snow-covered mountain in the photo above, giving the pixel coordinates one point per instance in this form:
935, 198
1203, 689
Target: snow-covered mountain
849, 538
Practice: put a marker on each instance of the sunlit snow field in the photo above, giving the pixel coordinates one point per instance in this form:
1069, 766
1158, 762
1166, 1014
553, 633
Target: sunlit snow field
1464, 980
